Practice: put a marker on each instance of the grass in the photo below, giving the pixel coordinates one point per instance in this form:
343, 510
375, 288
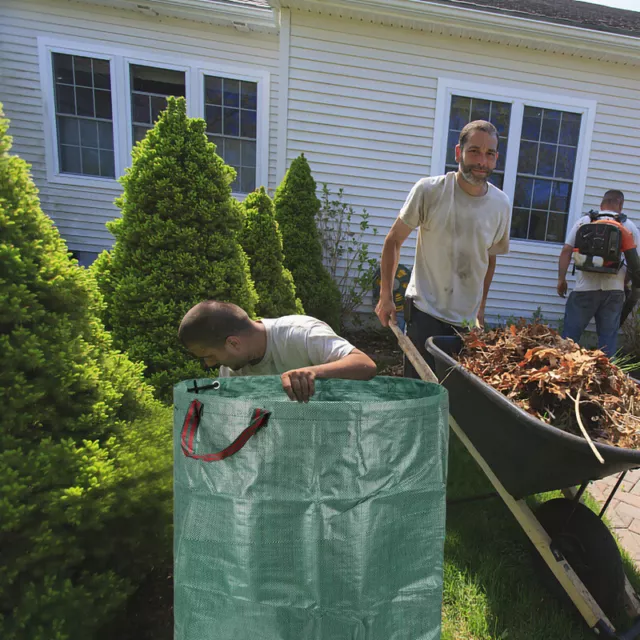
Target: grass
491, 590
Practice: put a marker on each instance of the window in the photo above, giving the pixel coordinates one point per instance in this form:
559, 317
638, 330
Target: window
546, 165
84, 124
101, 101
465, 110
542, 142
150, 87
231, 112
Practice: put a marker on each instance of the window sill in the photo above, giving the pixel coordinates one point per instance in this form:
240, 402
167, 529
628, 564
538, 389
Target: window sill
71, 180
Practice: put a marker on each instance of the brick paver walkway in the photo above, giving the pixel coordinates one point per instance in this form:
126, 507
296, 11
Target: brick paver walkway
624, 511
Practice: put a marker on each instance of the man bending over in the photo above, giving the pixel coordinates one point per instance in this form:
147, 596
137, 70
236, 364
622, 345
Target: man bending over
298, 348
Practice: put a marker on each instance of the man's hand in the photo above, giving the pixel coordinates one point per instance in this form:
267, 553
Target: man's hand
562, 287
386, 311
299, 384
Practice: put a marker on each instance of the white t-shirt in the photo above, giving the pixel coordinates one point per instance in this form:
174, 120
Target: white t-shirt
590, 281
294, 342
456, 235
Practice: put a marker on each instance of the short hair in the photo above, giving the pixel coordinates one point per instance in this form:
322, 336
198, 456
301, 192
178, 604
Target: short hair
613, 196
477, 125
210, 323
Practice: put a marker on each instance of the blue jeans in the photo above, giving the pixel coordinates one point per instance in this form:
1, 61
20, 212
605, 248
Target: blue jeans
605, 306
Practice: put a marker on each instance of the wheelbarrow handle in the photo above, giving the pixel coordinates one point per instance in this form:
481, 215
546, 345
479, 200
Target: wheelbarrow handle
416, 359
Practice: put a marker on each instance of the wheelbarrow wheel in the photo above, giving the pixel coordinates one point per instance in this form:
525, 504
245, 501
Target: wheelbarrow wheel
588, 546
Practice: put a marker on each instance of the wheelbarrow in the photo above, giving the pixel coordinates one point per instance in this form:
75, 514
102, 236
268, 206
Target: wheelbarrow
521, 456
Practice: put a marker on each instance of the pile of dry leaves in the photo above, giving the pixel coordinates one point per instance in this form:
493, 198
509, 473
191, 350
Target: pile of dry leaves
557, 381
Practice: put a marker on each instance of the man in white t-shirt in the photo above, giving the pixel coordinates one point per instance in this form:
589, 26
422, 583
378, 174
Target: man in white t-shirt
463, 223
298, 348
596, 295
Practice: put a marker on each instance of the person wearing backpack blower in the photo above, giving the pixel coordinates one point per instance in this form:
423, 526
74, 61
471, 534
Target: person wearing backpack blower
603, 247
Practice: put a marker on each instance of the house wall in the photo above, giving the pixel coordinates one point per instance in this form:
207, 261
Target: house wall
362, 104
80, 212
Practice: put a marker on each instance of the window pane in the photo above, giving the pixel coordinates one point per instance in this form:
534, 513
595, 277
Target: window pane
65, 99
89, 133
570, 128
105, 135
219, 142
107, 167
90, 162
68, 130
531, 123
560, 196
139, 132
452, 141
70, 159
141, 108
538, 225
83, 73
84, 102
546, 159
248, 124
166, 82
231, 122
460, 112
158, 104
103, 104
247, 180
500, 117
556, 227
520, 223
214, 119
213, 90
502, 153
480, 109
550, 126
523, 193
541, 194
249, 95
497, 179
528, 157
235, 185
232, 152
63, 68
248, 153
101, 75
231, 92
566, 162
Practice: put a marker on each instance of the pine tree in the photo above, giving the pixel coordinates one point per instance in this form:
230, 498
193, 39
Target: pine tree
297, 206
176, 244
85, 451
262, 242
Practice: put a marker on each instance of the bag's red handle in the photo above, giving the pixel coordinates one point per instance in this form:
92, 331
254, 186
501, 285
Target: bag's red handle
192, 421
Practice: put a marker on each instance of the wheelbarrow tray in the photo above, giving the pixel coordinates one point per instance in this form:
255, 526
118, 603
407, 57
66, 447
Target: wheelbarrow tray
527, 455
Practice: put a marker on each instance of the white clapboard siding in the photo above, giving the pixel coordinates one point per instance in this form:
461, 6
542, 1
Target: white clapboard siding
362, 103
81, 213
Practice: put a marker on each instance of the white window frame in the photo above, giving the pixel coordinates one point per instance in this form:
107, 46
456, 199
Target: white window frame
120, 61
447, 87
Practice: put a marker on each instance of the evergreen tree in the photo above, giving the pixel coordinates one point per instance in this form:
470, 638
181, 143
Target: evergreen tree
176, 245
297, 206
262, 242
85, 451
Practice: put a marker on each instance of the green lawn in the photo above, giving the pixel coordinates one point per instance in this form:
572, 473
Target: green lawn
491, 591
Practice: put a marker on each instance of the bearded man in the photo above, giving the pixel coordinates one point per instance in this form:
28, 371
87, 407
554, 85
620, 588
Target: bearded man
463, 223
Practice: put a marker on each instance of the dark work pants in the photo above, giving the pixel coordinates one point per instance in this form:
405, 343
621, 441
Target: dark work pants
420, 327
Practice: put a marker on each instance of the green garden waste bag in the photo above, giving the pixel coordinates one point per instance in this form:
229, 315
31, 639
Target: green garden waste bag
317, 521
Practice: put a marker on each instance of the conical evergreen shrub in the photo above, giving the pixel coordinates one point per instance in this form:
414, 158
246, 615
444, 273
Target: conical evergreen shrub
262, 242
297, 206
176, 244
85, 451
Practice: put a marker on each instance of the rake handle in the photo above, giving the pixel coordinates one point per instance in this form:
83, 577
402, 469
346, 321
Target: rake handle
415, 357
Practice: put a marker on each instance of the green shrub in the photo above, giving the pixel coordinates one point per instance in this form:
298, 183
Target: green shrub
345, 252
85, 451
176, 245
262, 242
297, 208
